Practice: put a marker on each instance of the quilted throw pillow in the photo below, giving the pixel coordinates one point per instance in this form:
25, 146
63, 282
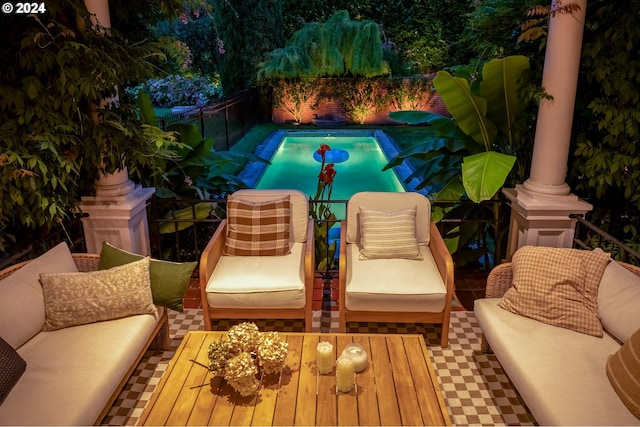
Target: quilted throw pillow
258, 228
72, 299
12, 366
558, 286
169, 280
623, 371
388, 234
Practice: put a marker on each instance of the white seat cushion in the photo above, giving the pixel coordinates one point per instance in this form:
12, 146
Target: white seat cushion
259, 281
72, 372
394, 284
559, 373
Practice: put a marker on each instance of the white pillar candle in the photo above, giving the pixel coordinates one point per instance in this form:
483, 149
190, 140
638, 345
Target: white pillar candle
357, 353
324, 358
345, 371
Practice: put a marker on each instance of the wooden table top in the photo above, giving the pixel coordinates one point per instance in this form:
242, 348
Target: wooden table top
399, 387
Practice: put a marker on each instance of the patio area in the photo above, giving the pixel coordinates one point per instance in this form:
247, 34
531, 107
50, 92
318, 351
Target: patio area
474, 386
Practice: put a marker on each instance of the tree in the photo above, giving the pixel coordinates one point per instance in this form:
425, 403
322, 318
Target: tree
605, 168
56, 132
423, 34
248, 29
336, 48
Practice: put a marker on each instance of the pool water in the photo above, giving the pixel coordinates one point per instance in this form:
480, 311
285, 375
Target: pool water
293, 166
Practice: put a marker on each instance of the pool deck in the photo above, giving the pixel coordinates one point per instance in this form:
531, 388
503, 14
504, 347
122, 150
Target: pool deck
253, 171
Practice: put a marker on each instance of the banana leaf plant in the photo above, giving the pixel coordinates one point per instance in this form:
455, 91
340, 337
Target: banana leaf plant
195, 171
485, 117
474, 152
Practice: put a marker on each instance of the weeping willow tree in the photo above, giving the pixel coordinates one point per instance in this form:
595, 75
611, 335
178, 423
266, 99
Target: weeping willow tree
339, 47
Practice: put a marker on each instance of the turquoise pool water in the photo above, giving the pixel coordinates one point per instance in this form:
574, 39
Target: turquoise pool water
293, 166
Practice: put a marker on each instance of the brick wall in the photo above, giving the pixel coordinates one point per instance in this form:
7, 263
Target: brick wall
332, 107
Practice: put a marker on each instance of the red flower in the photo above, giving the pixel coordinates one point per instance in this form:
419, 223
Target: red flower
323, 149
327, 174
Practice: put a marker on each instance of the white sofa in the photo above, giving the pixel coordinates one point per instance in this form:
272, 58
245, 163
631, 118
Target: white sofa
560, 374
73, 374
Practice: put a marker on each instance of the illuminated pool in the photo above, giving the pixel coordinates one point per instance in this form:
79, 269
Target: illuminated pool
293, 165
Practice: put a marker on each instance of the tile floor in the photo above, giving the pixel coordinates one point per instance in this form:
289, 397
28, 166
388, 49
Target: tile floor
475, 388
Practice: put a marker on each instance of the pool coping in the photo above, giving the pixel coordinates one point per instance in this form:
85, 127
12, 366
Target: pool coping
254, 169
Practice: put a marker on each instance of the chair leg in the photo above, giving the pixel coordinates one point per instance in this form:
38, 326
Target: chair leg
484, 346
444, 338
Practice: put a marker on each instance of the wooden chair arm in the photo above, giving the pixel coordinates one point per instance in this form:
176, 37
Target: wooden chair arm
442, 257
309, 261
212, 253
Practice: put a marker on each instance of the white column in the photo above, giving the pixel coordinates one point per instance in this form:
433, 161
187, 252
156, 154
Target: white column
117, 213
540, 208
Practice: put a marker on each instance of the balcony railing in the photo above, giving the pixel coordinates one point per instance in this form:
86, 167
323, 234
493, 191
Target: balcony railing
180, 229
588, 236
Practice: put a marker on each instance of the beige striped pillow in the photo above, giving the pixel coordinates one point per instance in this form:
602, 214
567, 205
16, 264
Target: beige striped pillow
623, 370
388, 234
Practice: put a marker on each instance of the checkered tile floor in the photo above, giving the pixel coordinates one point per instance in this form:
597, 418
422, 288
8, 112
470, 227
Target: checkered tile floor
475, 388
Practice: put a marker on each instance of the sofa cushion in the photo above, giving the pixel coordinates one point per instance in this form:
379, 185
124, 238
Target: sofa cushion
21, 300
558, 372
169, 280
623, 370
558, 286
73, 372
388, 234
12, 366
73, 299
619, 301
258, 228
394, 284
250, 282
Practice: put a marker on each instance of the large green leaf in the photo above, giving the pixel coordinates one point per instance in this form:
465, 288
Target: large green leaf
501, 84
484, 174
469, 111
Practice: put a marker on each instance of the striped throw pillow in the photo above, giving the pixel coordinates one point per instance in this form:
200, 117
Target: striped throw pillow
258, 228
623, 370
388, 234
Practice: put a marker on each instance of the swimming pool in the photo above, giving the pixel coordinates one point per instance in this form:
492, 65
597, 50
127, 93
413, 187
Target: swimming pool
293, 164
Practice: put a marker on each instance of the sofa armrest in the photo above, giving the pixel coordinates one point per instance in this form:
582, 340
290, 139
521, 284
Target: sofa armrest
499, 280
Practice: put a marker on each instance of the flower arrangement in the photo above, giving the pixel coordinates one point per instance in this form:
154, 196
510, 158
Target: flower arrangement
322, 211
244, 353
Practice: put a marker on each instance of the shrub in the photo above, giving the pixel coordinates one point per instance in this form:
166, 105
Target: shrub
179, 90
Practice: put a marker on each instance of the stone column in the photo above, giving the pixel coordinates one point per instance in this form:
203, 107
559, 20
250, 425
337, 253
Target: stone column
540, 208
117, 213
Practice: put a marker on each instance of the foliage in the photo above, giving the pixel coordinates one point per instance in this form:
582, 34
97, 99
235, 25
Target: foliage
249, 30
409, 93
419, 37
196, 30
195, 170
176, 90
605, 168
294, 94
486, 117
321, 212
360, 97
56, 73
337, 47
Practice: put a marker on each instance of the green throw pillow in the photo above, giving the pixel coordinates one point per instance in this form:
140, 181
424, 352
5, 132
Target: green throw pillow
169, 280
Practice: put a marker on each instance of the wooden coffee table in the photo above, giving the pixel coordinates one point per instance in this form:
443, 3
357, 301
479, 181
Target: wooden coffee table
398, 387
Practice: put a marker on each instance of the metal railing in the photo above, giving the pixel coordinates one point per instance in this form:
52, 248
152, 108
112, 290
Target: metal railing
180, 229
236, 114
29, 246
589, 236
